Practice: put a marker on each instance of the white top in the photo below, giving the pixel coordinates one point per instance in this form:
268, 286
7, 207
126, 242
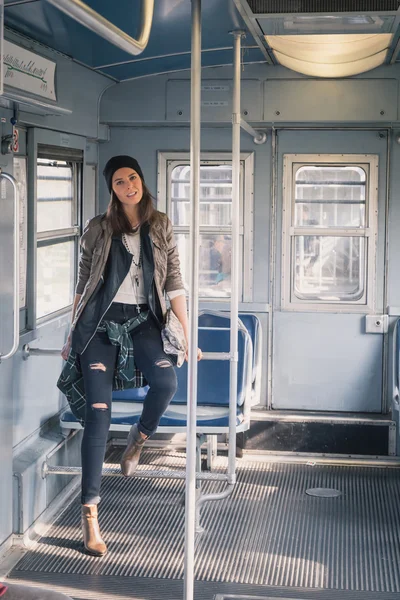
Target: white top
132, 290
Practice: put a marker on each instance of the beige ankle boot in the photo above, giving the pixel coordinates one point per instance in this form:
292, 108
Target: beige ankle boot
130, 457
91, 532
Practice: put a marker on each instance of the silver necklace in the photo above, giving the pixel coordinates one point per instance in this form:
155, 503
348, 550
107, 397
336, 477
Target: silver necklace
138, 265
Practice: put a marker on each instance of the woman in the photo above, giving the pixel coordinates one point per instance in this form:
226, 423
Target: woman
129, 259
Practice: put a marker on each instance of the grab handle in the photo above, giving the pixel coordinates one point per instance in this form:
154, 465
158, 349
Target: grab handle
86, 16
15, 345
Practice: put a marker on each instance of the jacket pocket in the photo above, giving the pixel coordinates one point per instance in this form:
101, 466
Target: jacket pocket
97, 252
160, 260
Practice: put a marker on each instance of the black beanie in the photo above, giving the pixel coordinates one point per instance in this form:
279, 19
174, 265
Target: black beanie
120, 162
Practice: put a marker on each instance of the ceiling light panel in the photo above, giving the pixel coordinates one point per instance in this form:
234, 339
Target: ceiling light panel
330, 55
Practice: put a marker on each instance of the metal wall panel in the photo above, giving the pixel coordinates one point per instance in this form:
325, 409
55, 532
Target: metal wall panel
316, 100
394, 226
6, 332
6, 376
216, 100
325, 360
287, 98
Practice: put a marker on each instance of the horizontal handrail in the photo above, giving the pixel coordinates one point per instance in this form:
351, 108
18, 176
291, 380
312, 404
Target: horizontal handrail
216, 356
46, 107
15, 343
211, 498
86, 16
259, 137
115, 471
27, 351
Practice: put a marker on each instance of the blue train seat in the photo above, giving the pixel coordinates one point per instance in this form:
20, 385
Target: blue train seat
213, 391
253, 326
396, 361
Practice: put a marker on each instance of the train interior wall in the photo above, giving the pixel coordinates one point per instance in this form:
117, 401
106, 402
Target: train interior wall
141, 117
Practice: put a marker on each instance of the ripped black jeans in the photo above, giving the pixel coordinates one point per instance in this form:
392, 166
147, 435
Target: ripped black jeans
98, 364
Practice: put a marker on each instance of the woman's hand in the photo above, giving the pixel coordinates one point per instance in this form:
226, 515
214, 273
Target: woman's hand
178, 305
66, 348
199, 354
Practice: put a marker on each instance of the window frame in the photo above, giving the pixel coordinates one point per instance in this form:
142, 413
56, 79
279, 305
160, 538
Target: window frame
291, 163
167, 161
57, 236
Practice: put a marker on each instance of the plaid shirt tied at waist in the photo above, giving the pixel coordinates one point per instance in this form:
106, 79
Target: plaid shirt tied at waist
126, 374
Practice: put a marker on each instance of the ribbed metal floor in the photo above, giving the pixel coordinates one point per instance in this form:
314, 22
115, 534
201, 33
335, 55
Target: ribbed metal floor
103, 587
269, 532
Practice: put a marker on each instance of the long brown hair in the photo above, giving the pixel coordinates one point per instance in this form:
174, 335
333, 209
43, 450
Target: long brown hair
118, 218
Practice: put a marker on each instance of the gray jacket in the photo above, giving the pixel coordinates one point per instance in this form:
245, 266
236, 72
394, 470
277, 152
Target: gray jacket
95, 248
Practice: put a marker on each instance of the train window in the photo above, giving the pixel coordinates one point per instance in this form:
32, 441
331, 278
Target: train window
329, 216
339, 276
57, 234
215, 224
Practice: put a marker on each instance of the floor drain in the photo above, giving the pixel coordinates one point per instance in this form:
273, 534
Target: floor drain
323, 492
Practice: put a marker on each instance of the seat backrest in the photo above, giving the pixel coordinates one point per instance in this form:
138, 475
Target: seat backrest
131, 394
250, 322
213, 319
396, 351
217, 371
213, 375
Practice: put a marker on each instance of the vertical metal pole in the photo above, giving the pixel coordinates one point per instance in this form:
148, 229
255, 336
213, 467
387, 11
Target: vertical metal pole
190, 505
272, 265
2, 68
235, 254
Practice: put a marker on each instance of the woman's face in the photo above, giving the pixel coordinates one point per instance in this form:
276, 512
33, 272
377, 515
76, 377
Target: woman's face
127, 186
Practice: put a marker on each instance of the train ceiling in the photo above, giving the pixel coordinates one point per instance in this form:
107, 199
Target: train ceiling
323, 38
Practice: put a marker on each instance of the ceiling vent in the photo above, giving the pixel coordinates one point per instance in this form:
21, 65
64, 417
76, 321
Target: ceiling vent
263, 7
